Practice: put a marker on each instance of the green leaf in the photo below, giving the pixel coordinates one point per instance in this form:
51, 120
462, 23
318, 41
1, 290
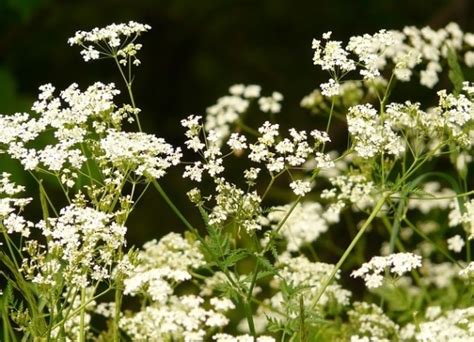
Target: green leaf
455, 73
234, 257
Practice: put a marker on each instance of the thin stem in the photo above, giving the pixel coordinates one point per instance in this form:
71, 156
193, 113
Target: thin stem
78, 310
247, 129
128, 83
171, 204
268, 187
82, 332
361, 232
45, 194
9, 246
425, 237
118, 306
333, 102
248, 300
249, 314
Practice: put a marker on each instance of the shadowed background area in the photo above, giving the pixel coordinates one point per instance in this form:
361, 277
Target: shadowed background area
194, 52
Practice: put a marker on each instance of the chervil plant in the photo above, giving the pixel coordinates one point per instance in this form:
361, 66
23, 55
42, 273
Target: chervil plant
315, 241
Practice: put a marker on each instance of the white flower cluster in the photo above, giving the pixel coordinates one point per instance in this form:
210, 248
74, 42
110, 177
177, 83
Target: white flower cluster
440, 275
9, 206
161, 267
404, 50
468, 271
83, 121
371, 324
182, 318
82, 246
464, 217
232, 203
112, 40
457, 113
208, 148
349, 189
277, 154
372, 135
292, 152
300, 187
69, 125
229, 109
271, 104
398, 264
307, 277
161, 264
241, 338
370, 51
427, 200
305, 224
142, 153
332, 57
456, 243
451, 325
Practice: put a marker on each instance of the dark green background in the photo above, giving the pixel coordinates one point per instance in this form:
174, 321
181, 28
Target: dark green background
195, 50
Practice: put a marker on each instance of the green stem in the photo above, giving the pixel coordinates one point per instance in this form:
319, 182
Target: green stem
118, 305
82, 330
396, 224
247, 129
171, 204
425, 237
333, 102
9, 245
128, 83
249, 299
249, 314
79, 310
361, 232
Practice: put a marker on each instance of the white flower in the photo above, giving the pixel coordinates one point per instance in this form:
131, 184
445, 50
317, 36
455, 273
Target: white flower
300, 187
456, 243
331, 88
223, 304
142, 153
251, 174
194, 171
302, 227
371, 136
466, 218
271, 104
468, 271
469, 58
109, 39
398, 264
237, 141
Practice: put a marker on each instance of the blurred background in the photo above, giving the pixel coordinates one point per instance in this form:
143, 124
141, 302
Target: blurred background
194, 52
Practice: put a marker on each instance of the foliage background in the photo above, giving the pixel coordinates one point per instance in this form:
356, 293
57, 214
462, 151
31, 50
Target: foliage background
195, 51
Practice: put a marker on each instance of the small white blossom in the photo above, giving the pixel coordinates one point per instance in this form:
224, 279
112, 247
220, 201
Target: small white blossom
271, 104
300, 187
456, 243
331, 88
398, 264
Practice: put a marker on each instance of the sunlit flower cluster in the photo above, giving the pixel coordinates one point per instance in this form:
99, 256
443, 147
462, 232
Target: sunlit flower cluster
304, 226
112, 40
82, 245
403, 50
398, 264
230, 109
307, 277
273, 205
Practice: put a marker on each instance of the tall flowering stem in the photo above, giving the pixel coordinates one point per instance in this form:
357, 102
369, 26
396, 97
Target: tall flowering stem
378, 206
